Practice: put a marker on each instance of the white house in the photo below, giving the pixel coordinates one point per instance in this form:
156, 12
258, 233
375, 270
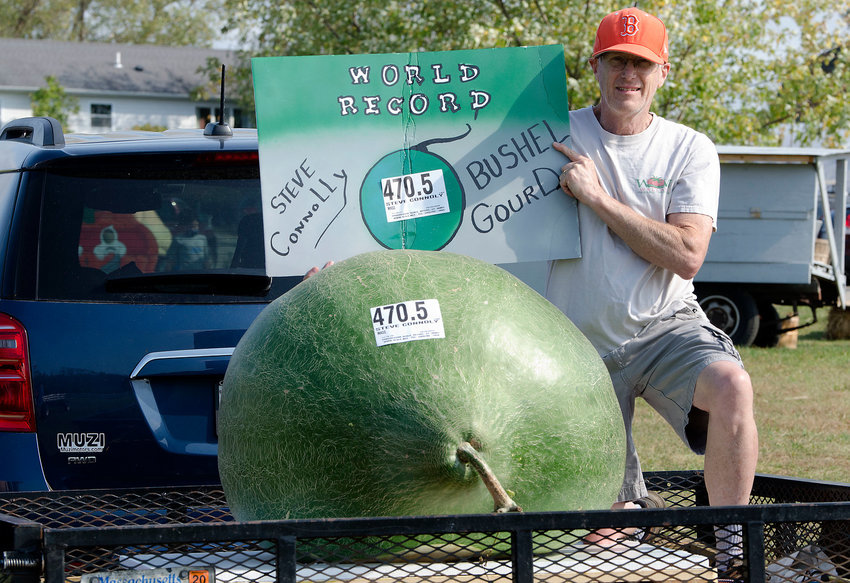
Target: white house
118, 86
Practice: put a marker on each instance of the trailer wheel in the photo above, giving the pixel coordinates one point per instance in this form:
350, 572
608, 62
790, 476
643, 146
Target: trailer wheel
733, 311
769, 326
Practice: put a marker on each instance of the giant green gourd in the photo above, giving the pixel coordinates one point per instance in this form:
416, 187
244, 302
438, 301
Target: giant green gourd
317, 420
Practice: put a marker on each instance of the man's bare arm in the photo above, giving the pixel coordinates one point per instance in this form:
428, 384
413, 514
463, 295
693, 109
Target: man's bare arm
680, 244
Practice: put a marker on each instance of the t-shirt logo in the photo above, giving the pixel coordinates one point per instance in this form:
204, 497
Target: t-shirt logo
655, 182
630, 25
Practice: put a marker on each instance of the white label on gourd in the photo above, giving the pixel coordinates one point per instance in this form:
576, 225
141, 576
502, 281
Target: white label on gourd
407, 321
412, 196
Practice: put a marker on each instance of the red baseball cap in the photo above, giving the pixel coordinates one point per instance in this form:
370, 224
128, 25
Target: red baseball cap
632, 31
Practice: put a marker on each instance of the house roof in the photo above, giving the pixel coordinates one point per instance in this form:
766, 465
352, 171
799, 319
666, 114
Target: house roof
782, 155
94, 67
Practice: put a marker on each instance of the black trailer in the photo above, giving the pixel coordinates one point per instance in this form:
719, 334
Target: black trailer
794, 530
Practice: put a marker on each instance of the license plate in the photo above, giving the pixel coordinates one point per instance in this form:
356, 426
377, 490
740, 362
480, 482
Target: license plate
197, 574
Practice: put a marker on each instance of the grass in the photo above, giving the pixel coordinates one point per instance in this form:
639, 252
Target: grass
802, 407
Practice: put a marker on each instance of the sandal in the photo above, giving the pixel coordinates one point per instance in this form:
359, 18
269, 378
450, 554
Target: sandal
651, 500
605, 537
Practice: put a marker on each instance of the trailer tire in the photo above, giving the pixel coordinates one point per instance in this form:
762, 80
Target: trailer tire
769, 326
733, 311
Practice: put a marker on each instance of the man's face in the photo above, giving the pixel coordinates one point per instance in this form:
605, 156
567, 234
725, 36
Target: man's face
627, 82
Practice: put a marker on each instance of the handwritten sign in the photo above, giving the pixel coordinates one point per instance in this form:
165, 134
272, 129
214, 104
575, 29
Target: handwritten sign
437, 151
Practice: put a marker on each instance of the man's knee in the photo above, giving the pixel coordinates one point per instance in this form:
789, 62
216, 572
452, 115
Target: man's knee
724, 386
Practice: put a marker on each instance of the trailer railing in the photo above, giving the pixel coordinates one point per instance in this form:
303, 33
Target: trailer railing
794, 530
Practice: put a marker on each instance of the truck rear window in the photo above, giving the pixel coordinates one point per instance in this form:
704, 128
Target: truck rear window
173, 229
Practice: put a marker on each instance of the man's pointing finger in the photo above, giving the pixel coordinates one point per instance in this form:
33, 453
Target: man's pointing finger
566, 151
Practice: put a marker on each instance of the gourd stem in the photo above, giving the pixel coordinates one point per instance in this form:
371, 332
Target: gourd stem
423, 146
502, 502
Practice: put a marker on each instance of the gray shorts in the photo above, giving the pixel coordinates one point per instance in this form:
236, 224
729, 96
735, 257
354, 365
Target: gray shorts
661, 364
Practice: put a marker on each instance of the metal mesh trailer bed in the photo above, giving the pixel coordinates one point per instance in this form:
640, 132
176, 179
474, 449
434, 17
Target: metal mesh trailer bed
794, 530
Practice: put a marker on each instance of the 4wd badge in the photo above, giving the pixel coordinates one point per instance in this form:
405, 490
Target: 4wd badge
80, 442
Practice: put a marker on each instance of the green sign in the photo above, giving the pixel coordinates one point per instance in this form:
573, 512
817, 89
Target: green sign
435, 151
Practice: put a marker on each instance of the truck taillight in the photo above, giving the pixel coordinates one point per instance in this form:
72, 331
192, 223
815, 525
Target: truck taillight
251, 158
16, 407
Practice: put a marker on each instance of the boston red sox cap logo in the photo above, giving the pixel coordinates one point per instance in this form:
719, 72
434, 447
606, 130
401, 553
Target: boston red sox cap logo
630, 25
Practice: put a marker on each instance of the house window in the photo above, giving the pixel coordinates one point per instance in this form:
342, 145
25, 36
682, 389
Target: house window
101, 116
204, 116
238, 118
243, 119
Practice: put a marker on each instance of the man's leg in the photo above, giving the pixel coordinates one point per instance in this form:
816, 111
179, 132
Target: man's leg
633, 486
725, 392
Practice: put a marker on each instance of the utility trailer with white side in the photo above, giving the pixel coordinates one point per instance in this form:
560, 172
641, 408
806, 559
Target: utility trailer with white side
781, 238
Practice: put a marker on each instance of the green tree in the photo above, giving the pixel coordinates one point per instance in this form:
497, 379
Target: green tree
744, 71
165, 22
53, 101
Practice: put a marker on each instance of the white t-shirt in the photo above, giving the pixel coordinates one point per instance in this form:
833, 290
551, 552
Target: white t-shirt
611, 293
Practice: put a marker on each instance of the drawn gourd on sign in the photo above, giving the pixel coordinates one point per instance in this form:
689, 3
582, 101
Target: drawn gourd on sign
413, 199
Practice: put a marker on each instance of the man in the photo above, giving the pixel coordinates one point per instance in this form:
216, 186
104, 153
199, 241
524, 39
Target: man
647, 190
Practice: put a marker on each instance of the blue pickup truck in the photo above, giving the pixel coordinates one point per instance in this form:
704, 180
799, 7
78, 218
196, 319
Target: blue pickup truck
130, 266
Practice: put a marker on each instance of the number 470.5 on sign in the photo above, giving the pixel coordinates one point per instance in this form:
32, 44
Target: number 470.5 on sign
412, 196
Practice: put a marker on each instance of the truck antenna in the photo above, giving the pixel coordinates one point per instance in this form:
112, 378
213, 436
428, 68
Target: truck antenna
219, 128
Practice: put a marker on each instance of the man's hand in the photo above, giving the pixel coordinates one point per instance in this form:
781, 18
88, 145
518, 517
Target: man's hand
314, 270
578, 176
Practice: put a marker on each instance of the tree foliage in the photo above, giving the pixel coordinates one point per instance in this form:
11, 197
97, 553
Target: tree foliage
165, 22
766, 72
53, 101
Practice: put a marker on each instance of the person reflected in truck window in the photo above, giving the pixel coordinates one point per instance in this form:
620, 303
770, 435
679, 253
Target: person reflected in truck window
110, 249
189, 250
249, 252
648, 193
